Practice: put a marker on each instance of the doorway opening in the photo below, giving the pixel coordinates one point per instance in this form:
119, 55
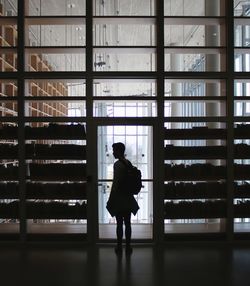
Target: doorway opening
138, 140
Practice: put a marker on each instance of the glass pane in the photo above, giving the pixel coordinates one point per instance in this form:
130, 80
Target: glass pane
193, 7
242, 60
201, 88
107, 59
8, 8
124, 8
242, 8
193, 35
8, 61
139, 152
55, 108
242, 35
8, 108
124, 87
8, 35
56, 35
195, 108
203, 60
8, 88
58, 87
55, 7
125, 32
124, 109
54, 61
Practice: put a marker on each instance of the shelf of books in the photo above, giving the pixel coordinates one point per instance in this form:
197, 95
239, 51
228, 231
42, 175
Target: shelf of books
9, 191
56, 192
241, 159
195, 160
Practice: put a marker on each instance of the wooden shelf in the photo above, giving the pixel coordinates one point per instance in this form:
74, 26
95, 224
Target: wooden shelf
9, 190
195, 210
63, 191
55, 210
242, 210
45, 152
196, 152
199, 190
57, 172
51, 131
195, 172
195, 133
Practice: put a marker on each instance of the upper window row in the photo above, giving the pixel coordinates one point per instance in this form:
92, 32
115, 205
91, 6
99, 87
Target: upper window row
124, 7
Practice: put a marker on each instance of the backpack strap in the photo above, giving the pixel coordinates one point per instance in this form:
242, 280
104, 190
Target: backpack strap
126, 163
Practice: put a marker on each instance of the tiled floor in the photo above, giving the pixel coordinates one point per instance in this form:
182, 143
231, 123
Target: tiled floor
171, 265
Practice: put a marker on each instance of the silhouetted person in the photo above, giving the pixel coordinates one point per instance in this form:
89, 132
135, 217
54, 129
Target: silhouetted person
121, 201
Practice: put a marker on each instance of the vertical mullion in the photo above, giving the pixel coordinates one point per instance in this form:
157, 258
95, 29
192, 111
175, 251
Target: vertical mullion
230, 118
21, 124
158, 170
92, 217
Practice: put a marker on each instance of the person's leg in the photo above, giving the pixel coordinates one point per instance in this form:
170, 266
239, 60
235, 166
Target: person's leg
127, 221
119, 231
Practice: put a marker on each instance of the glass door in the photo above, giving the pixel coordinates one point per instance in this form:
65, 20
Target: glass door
139, 150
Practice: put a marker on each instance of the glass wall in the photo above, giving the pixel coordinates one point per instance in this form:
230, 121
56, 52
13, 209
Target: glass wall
78, 75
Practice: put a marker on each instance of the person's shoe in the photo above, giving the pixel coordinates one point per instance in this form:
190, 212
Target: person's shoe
129, 250
118, 250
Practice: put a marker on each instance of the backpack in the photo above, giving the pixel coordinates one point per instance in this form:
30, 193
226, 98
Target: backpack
133, 179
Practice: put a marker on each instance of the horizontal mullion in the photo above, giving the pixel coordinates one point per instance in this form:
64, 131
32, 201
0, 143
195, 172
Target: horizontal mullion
194, 20
55, 49
52, 80
110, 180
54, 119
125, 75
241, 98
195, 98
242, 75
195, 119
54, 75
9, 119
241, 20
242, 50
55, 20
126, 20
195, 75
128, 98
82, 75
11, 49
195, 80
9, 75
8, 98
194, 50
125, 49
241, 118
195, 157
55, 98
122, 75
124, 120
8, 20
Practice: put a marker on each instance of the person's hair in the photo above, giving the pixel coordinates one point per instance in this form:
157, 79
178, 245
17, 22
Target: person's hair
119, 146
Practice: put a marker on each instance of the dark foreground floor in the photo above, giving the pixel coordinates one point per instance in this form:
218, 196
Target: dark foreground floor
169, 265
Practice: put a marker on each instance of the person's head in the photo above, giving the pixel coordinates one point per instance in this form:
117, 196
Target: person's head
118, 150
